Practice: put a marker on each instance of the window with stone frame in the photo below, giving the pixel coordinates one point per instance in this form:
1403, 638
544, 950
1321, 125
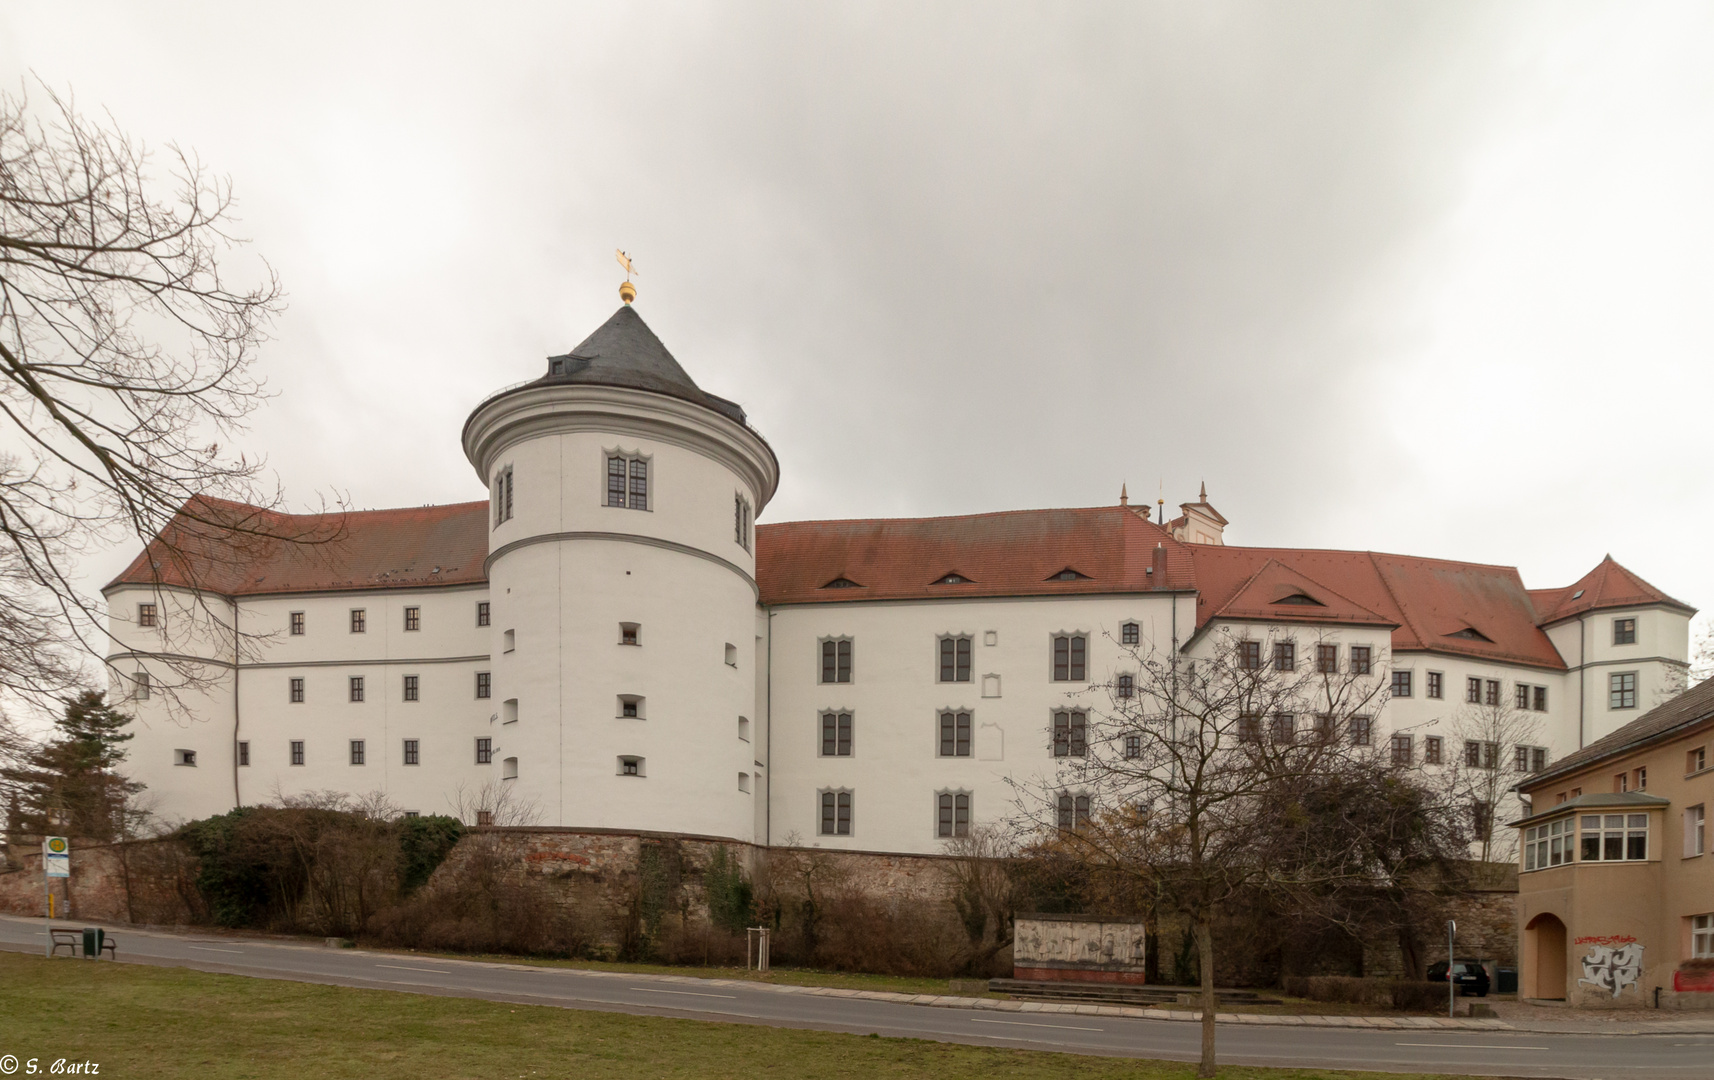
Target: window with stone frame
484, 684
1433, 750
1285, 656
413, 618
1130, 634
482, 613
836, 660
412, 687
1622, 690
1473, 690
1073, 811
1070, 733
1436, 687
836, 734
1362, 730
952, 814
835, 813
1624, 631
147, 615
1362, 660
1125, 687
955, 658
1327, 659
1069, 657
1401, 684
954, 734
1402, 749
628, 481
1249, 655
297, 624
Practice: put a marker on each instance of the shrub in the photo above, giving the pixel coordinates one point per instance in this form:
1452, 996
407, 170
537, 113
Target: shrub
424, 843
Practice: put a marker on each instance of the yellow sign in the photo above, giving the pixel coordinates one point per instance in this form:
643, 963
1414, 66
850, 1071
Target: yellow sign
56, 844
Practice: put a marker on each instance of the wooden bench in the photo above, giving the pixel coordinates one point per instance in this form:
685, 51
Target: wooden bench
72, 941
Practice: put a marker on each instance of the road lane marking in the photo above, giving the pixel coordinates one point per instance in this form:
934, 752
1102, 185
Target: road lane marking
206, 948
1474, 1046
682, 993
431, 971
1020, 1023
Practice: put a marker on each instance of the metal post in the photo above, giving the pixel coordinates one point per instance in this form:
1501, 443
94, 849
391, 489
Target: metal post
47, 910
1451, 968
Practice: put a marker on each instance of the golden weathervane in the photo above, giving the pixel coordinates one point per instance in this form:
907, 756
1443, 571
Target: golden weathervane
627, 291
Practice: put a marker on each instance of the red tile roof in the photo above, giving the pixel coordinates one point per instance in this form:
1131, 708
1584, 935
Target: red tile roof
239, 550
1609, 585
1015, 553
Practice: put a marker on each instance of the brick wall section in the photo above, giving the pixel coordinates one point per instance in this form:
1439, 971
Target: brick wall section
143, 881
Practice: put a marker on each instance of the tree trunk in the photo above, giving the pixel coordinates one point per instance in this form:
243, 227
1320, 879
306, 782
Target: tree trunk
1205, 951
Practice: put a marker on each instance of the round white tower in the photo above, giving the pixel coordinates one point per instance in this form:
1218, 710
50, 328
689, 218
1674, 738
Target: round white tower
622, 584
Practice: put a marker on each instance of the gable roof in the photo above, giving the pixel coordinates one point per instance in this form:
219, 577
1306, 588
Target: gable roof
1659, 724
1425, 600
1272, 593
623, 351
1609, 585
237, 550
1013, 553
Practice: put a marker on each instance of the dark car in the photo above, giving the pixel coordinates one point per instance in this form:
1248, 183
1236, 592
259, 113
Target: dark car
1471, 976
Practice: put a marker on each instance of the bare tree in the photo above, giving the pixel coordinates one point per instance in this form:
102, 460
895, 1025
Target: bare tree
1493, 742
1176, 777
982, 889
126, 366
494, 802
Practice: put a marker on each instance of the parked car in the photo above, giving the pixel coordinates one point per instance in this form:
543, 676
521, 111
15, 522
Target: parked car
1470, 975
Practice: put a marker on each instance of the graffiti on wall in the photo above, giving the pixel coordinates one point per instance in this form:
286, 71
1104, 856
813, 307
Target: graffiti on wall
1613, 963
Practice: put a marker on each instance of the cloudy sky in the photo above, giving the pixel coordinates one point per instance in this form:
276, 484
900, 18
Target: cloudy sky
1431, 278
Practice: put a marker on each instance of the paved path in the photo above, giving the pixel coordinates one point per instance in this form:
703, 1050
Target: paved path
1415, 1045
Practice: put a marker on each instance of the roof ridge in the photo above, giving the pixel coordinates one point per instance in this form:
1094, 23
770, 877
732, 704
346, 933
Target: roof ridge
962, 517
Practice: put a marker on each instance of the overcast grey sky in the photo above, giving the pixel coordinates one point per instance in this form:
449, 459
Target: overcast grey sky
1431, 278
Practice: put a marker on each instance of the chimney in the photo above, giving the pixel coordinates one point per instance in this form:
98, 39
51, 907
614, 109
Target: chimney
1159, 568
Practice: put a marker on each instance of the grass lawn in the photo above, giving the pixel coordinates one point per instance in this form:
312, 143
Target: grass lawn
138, 1021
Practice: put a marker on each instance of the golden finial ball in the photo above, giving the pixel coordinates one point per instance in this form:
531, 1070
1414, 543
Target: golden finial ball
627, 292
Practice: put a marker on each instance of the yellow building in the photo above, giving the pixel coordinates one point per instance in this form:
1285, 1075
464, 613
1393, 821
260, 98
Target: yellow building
1616, 885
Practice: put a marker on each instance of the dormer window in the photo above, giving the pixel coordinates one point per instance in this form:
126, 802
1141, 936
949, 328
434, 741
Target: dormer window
556, 366
953, 578
842, 583
1470, 633
1068, 574
1300, 598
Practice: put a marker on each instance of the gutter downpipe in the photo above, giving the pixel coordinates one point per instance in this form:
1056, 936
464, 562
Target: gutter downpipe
237, 800
1582, 675
768, 811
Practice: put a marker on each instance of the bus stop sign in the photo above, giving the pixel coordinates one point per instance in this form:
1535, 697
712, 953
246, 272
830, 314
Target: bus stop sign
56, 857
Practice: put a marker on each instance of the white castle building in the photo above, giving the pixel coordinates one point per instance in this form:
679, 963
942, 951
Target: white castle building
609, 639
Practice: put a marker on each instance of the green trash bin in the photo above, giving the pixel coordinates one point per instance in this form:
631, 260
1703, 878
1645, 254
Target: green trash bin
93, 939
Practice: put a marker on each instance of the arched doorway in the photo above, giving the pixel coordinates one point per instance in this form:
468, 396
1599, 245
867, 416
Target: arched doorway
1544, 958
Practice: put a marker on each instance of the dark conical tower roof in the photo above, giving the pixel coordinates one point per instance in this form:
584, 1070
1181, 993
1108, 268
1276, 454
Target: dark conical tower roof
625, 352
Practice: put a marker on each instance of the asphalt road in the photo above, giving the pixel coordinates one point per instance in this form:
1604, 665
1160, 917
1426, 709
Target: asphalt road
1483, 1053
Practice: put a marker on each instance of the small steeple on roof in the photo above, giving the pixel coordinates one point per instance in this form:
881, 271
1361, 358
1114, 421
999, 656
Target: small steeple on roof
623, 351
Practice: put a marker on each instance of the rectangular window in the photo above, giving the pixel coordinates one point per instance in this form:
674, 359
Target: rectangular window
484, 684
1696, 760
356, 688
1622, 690
1431, 749
1327, 659
628, 632
146, 615
1362, 659
410, 687
1491, 692
1068, 652
1126, 687
1249, 656
484, 817
1523, 696
836, 661
1538, 759
1133, 747
1695, 831
1130, 634
954, 734
484, 751
482, 613
297, 618
502, 496
615, 481
1402, 749
955, 659
1073, 812
639, 484
1402, 683
358, 620
836, 813
1070, 734
297, 752
1436, 685
295, 690
413, 618
244, 753
1624, 631
1541, 699
741, 521
1701, 937
1614, 837
1285, 656
1362, 731
835, 734
1642, 775
1249, 729
142, 686
356, 751
1549, 844
1473, 690
412, 757
1284, 729
953, 814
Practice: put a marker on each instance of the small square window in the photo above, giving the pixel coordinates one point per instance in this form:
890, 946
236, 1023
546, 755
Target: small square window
412, 754
630, 706
411, 687
1624, 631
146, 615
413, 618
484, 817
630, 766
184, 757
628, 632
482, 618
484, 684
297, 623
359, 620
